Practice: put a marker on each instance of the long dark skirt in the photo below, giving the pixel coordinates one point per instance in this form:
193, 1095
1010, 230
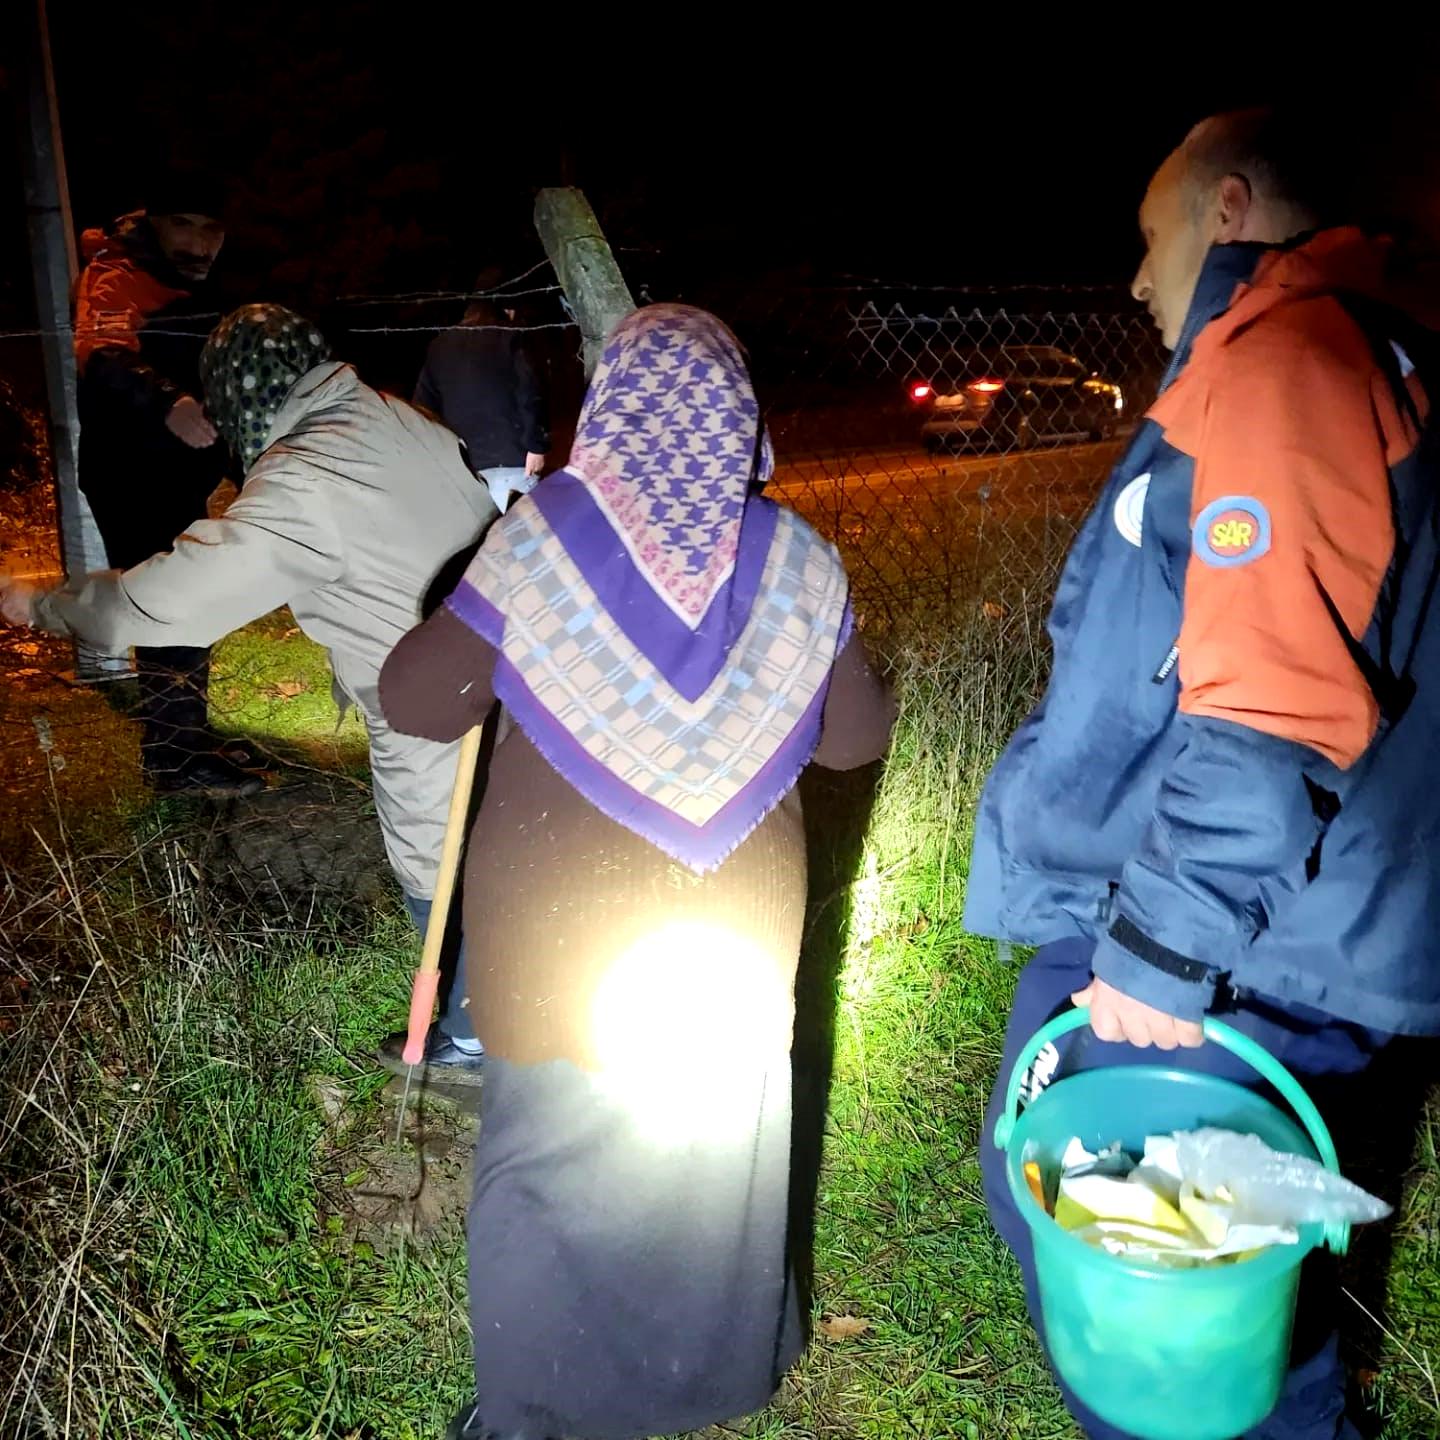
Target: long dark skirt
626, 1279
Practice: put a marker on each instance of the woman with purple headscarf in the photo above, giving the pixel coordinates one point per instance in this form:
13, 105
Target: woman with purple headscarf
669, 651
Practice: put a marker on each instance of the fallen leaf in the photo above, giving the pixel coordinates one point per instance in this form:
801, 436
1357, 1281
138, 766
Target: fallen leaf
844, 1327
993, 610
285, 689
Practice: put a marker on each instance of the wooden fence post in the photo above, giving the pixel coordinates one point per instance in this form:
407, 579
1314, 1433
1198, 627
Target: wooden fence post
585, 266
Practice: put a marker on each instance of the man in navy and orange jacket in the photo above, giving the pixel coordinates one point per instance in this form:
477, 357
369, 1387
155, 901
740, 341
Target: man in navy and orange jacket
149, 457
1224, 804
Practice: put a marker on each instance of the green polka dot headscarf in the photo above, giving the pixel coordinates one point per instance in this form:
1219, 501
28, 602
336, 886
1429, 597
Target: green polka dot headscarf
249, 366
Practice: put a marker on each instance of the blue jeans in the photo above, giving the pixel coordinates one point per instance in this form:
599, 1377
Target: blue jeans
454, 1012
1324, 1053
506, 482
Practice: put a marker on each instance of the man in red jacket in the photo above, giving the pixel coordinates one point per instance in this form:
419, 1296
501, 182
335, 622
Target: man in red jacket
149, 458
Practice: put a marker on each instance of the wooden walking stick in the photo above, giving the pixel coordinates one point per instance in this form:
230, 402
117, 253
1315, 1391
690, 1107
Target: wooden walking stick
427, 978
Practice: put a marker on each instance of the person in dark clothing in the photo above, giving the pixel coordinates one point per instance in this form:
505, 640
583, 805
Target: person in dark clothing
149, 457
479, 380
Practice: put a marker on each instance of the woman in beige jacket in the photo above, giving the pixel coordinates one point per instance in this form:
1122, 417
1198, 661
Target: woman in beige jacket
351, 504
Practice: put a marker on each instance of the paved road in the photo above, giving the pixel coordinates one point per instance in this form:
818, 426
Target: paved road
923, 531
1060, 479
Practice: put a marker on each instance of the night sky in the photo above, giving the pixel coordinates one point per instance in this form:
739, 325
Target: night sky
370, 154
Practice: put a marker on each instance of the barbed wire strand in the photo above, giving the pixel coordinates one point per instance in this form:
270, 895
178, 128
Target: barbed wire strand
355, 300
152, 330
502, 289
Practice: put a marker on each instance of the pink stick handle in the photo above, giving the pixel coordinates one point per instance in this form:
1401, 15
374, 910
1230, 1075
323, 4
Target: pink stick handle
422, 1006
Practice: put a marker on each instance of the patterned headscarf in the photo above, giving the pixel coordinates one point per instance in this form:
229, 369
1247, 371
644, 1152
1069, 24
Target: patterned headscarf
666, 636
670, 440
249, 366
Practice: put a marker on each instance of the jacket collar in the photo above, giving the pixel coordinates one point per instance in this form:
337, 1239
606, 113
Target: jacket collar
1242, 281
1226, 268
1338, 261
315, 389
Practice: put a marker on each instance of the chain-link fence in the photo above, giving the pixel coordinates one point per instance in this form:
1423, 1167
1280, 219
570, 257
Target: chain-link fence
948, 442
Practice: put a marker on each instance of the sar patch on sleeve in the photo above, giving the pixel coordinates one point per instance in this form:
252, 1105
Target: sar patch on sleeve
1233, 530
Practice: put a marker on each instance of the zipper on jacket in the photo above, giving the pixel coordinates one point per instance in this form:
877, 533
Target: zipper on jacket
1167, 666
1105, 905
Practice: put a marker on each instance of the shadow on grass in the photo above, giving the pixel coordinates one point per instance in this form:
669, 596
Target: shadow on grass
1386, 1138
837, 807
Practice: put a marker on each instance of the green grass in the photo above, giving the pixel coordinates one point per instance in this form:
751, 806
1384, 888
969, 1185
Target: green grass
269, 1305
205, 1278
181, 1257
272, 685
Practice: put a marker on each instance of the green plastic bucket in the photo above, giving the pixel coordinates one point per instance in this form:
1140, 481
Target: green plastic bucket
1164, 1354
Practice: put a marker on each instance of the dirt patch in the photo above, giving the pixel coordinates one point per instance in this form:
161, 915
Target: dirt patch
381, 1190
310, 843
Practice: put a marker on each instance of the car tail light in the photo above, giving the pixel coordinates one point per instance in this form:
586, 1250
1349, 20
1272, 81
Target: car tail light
920, 392
986, 387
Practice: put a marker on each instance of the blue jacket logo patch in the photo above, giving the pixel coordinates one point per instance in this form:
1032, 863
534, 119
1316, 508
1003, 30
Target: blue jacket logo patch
1233, 530
1130, 508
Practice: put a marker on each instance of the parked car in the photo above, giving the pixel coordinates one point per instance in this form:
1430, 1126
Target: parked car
1014, 397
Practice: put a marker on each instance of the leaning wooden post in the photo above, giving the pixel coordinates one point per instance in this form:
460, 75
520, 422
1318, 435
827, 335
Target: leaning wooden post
585, 266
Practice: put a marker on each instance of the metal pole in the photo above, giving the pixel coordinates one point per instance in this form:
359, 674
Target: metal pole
53, 261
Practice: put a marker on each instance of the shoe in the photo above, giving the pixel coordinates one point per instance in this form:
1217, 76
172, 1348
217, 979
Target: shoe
206, 775
442, 1055
240, 753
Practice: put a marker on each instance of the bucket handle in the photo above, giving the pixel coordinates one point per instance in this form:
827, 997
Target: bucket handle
1337, 1232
